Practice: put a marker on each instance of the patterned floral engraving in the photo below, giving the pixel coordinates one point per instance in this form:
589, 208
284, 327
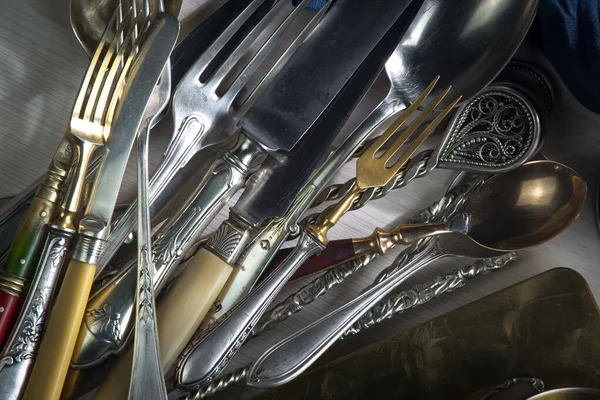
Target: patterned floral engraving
145, 309
24, 345
495, 129
107, 323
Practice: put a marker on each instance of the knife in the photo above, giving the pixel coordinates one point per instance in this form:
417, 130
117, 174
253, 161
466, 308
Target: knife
214, 357
26, 247
98, 340
184, 54
197, 287
187, 137
50, 369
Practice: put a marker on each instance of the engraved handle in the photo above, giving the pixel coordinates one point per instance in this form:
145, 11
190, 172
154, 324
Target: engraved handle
222, 339
49, 371
179, 313
23, 255
181, 149
171, 243
289, 358
16, 360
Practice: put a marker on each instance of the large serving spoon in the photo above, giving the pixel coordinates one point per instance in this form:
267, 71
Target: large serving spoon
513, 211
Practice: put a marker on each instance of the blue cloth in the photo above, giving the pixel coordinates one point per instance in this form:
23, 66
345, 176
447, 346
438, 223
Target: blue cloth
568, 33
313, 5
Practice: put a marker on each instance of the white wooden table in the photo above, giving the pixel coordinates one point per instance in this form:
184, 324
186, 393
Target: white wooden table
41, 65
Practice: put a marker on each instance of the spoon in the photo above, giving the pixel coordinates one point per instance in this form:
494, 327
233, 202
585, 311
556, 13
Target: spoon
440, 31
529, 206
90, 18
515, 210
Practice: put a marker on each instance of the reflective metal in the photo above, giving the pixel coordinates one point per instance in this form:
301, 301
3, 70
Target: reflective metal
516, 211
90, 18
426, 31
147, 381
198, 110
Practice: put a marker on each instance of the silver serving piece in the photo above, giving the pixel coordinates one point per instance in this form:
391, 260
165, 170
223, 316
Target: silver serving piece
394, 305
498, 118
521, 224
415, 62
107, 322
147, 381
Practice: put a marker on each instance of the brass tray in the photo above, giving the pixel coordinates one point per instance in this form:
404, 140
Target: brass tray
547, 327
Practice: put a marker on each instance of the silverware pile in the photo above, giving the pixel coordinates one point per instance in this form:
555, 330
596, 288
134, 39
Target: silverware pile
258, 94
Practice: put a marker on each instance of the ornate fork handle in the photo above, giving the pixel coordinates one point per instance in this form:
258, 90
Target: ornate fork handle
336, 275
415, 168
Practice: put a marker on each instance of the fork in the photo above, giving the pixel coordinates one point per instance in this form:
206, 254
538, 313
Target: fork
146, 380
202, 115
286, 360
371, 172
92, 118
195, 106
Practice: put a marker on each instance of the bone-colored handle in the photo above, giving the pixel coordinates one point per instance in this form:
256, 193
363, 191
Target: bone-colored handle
52, 362
179, 313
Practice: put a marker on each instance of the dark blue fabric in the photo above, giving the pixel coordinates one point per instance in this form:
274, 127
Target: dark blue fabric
313, 5
568, 32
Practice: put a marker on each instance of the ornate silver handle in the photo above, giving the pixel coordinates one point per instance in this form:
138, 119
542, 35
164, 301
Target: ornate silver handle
421, 294
388, 308
147, 377
182, 148
16, 360
108, 319
289, 358
221, 340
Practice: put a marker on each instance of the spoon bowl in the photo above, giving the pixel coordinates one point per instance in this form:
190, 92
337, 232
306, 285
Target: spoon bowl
476, 45
525, 207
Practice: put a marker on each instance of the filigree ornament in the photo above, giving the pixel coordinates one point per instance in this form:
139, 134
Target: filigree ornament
496, 129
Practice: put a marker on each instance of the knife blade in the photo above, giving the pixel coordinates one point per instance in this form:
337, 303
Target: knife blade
50, 369
222, 249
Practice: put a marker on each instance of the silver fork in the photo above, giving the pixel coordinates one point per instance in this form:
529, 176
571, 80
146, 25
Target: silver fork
199, 108
146, 380
202, 116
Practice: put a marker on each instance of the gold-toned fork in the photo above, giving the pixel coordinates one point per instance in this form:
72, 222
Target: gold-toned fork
226, 335
91, 123
373, 170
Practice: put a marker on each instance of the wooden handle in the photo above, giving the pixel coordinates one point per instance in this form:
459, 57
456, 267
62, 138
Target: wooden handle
179, 313
52, 362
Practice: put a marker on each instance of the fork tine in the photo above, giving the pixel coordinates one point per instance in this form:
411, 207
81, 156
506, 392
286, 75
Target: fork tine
422, 136
241, 49
264, 52
205, 59
370, 152
109, 85
104, 67
81, 96
412, 128
119, 83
